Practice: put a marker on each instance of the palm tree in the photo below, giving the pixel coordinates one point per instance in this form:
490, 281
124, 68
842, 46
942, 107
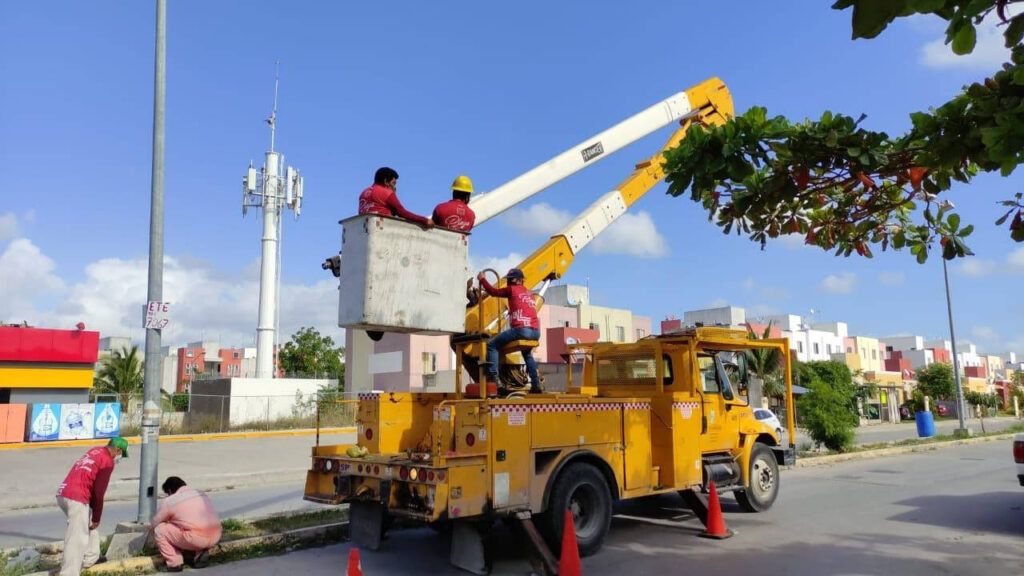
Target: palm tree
120, 374
767, 364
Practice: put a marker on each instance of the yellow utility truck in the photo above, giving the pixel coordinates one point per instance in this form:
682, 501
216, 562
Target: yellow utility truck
665, 414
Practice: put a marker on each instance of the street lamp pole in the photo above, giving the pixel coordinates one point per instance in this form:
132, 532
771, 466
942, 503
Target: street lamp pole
962, 430
151, 382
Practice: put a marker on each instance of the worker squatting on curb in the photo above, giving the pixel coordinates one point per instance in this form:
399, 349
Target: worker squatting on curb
185, 523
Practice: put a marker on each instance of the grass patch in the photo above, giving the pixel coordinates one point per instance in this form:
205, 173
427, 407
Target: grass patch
236, 529
19, 570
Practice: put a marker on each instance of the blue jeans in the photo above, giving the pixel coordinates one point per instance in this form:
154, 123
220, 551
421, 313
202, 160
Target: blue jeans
494, 345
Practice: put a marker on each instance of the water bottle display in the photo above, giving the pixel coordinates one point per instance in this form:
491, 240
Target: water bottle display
45, 422
108, 420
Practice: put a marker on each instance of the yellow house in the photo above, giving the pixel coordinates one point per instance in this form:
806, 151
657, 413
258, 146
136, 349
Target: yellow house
614, 324
975, 384
993, 365
869, 352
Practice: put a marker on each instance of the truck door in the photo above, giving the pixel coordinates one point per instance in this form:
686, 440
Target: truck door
719, 422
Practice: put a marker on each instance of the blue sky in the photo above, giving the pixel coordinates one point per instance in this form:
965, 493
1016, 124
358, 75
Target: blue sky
434, 90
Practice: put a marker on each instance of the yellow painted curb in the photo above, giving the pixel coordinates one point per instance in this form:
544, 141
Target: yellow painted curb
184, 438
140, 564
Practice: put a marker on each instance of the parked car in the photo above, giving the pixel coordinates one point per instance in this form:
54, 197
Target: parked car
942, 409
1018, 456
907, 411
769, 418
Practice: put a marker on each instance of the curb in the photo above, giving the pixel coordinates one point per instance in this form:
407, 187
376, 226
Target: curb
183, 438
895, 451
224, 550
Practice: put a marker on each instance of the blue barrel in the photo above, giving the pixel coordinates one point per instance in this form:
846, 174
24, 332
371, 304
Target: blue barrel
925, 424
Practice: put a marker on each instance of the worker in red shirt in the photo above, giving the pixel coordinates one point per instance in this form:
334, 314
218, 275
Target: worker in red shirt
382, 198
80, 497
523, 325
455, 214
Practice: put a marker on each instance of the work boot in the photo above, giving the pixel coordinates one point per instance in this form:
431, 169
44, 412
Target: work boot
202, 558
167, 568
536, 390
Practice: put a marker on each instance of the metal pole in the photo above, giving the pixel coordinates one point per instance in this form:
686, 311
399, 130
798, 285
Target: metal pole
151, 386
956, 361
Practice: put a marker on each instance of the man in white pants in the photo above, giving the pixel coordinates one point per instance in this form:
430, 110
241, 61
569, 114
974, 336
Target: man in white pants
80, 496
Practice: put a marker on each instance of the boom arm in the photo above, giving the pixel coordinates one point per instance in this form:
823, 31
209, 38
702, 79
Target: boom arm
591, 150
710, 103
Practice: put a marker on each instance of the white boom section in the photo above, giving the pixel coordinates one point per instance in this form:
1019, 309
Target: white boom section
594, 220
671, 109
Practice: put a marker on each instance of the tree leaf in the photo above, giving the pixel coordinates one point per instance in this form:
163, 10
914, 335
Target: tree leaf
1014, 31
965, 39
954, 221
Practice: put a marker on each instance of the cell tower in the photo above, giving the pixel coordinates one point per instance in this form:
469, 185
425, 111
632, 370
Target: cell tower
273, 188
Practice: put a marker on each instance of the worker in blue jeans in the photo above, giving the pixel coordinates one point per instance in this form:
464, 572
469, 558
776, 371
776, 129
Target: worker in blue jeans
523, 322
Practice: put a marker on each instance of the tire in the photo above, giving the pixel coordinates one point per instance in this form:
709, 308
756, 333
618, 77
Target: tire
779, 432
764, 481
582, 488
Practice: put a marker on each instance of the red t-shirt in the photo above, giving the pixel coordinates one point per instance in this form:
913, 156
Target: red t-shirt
454, 215
522, 311
379, 199
87, 481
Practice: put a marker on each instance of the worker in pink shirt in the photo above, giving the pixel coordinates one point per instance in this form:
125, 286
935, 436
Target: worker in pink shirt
186, 522
523, 325
80, 497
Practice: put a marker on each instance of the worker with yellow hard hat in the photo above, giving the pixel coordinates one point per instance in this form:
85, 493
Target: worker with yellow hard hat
455, 214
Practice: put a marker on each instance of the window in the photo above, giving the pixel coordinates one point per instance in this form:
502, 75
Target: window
429, 363
620, 334
849, 350
632, 370
800, 347
234, 355
864, 353
594, 326
707, 374
640, 333
566, 324
816, 351
874, 354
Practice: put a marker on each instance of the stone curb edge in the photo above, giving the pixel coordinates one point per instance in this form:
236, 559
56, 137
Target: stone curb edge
894, 451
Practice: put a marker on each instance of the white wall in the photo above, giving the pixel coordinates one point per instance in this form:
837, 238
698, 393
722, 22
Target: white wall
803, 341
727, 315
919, 358
905, 342
566, 295
262, 399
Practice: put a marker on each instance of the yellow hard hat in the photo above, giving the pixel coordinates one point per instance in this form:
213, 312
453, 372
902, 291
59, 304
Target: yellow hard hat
462, 183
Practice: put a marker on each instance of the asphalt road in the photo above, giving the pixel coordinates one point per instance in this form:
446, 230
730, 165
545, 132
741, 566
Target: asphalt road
29, 477
954, 510
46, 523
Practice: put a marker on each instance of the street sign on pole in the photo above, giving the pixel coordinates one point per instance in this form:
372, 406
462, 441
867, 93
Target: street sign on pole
157, 315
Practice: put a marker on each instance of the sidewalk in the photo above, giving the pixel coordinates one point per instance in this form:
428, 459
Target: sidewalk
30, 477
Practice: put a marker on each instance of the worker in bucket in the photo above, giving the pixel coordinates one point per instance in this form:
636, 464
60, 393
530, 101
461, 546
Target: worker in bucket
186, 526
80, 497
523, 322
455, 214
382, 198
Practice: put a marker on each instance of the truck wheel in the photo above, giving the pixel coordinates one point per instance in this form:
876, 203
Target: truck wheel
583, 489
764, 481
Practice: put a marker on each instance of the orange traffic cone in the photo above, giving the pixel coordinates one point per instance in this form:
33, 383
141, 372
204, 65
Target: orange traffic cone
569, 562
715, 526
355, 567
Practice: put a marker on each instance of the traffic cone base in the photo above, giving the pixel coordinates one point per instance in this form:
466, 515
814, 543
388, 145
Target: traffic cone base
715, 526
569, 561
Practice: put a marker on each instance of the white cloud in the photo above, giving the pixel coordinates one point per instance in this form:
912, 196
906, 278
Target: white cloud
1012, 264
631, 234
540, 219
718, 303
1015, 260
793, 241
25, 274
989, 53
892, 278
9, 226
839, 284
765, 291
500, 264
977, 267
986, 334
761, 310
204, 301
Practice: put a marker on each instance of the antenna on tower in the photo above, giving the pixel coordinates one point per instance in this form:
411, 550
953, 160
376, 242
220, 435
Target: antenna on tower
272, 121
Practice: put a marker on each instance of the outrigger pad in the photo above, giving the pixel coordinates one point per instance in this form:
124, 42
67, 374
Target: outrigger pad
366, 524
467, 552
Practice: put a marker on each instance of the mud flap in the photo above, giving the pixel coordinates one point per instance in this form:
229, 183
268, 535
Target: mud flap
467, 551
366, 523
